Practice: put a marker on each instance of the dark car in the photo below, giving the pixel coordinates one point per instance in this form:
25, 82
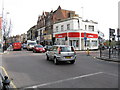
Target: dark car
38, 48
24, 46
47, 47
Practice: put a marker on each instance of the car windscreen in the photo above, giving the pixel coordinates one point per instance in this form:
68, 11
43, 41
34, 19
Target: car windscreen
32, 43
66, 49
39, 46
49, 47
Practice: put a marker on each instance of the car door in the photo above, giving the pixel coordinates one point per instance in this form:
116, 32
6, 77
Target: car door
54, 52
49, 52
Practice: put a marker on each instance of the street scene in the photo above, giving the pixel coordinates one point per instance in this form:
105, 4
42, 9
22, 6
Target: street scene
32, 70
59, 44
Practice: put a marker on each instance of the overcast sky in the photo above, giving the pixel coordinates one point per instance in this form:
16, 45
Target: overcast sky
24, 13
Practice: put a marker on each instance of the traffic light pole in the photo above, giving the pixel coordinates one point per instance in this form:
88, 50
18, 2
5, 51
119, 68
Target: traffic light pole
118, 35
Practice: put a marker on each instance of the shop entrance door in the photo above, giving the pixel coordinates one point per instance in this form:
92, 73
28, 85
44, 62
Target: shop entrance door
75, 44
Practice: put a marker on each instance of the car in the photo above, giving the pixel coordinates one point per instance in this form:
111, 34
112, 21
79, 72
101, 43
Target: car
62, 53
24, 46
17, 45
38, 48
30, 46
47, 47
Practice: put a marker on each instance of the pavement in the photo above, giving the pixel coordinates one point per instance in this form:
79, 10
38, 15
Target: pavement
96, 54
5, 52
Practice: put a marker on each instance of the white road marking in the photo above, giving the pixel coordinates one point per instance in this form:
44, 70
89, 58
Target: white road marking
60, 81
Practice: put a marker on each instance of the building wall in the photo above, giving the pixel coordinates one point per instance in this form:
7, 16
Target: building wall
73, 25
75, 35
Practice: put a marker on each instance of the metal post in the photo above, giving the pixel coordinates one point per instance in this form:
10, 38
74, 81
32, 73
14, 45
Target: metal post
109, 48
100, 51
118, 32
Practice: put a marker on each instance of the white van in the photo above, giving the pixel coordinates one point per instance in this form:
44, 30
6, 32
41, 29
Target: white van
31, 44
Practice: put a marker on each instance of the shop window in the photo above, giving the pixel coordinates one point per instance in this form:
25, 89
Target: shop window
87, 43
77, 43
94, 43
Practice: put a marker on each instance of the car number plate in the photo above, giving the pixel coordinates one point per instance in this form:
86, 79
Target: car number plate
68, 57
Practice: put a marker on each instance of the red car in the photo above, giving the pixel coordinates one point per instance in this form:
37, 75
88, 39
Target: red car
17, 45
38, 48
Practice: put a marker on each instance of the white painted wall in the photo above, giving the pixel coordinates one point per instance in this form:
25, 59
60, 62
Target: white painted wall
74, 25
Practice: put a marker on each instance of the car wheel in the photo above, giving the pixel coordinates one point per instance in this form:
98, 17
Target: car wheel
72, 62
47, 57
56, 62
33, 51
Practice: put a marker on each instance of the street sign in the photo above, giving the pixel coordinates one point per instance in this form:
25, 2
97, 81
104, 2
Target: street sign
85, 38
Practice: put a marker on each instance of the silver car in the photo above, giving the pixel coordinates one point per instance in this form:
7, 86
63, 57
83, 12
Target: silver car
61, 53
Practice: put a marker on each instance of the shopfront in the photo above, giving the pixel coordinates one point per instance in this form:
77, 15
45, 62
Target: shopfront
77, 40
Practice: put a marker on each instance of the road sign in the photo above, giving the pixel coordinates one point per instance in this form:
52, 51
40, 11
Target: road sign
85, 38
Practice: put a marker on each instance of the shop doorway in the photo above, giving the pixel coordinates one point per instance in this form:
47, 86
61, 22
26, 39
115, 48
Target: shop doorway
75, 44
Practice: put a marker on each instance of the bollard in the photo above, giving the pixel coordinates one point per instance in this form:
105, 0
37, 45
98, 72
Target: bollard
6, 83
88, 53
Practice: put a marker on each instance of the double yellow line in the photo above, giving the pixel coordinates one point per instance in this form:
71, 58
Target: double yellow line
7, 76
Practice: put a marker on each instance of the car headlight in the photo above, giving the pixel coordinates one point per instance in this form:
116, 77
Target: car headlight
37, 48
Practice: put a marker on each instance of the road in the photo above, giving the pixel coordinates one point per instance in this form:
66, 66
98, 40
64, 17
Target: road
32, 70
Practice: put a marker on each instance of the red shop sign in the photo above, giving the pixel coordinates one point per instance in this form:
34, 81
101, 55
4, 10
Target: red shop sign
74, 34
62, 35
90, 35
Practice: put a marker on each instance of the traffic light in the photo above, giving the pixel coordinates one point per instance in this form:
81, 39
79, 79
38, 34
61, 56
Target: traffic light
111, 31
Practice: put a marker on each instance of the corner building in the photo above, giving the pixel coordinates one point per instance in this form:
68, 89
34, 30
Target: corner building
75, 31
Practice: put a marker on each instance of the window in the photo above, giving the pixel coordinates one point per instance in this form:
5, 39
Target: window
85, 27
94, 43
87, 43
91, 28
66, 49
62, 27
56, 28
55, 48
68, 26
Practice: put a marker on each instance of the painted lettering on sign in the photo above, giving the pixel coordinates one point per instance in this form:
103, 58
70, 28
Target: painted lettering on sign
73, 34
90, 35
62, 35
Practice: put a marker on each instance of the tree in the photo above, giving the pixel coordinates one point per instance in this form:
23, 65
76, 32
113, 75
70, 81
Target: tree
6, 31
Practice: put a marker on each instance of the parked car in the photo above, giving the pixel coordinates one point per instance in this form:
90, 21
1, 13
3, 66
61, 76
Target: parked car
24, 46
38, 48
17, 45
61, 53
47, 47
